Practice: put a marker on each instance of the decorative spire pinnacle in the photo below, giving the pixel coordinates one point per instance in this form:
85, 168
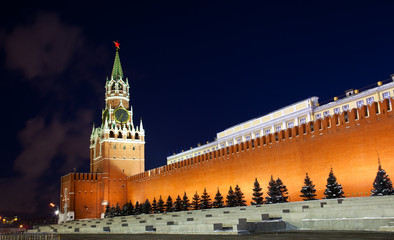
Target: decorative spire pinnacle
117, 72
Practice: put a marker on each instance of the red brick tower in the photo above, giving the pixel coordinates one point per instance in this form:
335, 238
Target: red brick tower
117, 146
117, 150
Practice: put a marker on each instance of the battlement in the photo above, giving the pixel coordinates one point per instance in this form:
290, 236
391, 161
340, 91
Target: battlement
83, 176
329, 124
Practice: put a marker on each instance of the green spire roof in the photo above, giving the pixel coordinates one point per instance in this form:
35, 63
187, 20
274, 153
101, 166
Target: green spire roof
117, 72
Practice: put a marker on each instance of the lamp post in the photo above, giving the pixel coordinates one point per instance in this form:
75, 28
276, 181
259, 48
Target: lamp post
56, 211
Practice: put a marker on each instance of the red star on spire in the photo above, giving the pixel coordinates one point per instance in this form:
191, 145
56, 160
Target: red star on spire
117, 45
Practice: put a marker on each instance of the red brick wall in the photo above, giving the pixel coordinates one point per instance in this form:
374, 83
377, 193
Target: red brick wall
350, 148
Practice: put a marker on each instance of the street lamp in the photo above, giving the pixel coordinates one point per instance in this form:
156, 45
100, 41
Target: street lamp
56, 211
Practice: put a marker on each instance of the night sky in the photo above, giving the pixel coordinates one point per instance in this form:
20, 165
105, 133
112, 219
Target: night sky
195, 68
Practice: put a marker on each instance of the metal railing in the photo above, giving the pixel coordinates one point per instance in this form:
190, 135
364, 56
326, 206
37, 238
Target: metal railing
29, 236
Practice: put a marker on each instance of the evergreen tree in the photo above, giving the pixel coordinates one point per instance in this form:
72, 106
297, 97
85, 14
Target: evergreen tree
146, 207
160, 205
282, 189
308, 190
218, 202
118, 211
130, 209
205, 200
125, 209
239, 197
137, 209
333, 190
169, 205
382, 184
195, 202
231, 198
107, 211
185, 202
112, 212
273, 192
154, 206
178, 204
257, 194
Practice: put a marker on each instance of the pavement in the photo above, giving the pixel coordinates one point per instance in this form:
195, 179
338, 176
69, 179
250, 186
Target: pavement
293, 235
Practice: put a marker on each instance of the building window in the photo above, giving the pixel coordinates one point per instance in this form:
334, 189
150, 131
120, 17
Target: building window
133, 148
222, 145
360, 103
337, 110
290, 124
345, 107
247, 138
277, 129
318, 116
326, 113
370, 100
124, 147
114, 146
267, 131
386, 95
239, 140
230, 143
302, 120
257, 135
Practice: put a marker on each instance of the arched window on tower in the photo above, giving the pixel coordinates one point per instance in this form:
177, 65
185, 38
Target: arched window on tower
120, 134
111, 134
137, 136
113, 87
129, 135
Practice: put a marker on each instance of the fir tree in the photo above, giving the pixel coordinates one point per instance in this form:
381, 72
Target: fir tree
308, 190
257, 194
218, 202
273, 192
118, 211
125, 209
107, 211
185, 202
231, 198
178, 204
154, 206
205, 200
146, 207
282, 189
130, 209
137, 209
382, 184
112, 212
195, 202
333, 190
239, 197
160, 205
169, 205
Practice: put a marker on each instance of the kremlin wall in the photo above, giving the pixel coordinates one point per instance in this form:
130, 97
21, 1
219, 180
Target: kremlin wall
349, 141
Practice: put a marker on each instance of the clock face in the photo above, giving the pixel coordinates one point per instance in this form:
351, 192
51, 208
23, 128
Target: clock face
105, 115
121, 115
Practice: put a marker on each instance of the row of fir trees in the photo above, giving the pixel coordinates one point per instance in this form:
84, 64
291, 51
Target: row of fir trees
277, 193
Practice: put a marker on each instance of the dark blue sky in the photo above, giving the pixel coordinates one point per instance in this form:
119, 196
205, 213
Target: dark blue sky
195, 68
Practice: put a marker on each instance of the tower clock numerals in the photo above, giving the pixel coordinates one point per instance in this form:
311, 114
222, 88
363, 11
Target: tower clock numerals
121, 115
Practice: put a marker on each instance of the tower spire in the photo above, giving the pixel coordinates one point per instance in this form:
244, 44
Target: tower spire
117, 72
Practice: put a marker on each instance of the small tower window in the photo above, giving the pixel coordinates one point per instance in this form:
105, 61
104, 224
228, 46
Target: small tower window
124, 147
114, 146
137, 136
111, 134
133, 148
120, 135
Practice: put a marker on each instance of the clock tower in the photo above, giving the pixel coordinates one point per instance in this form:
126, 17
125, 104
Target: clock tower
117, 146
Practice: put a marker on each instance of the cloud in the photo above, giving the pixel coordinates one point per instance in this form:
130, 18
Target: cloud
43, 48
42, 143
